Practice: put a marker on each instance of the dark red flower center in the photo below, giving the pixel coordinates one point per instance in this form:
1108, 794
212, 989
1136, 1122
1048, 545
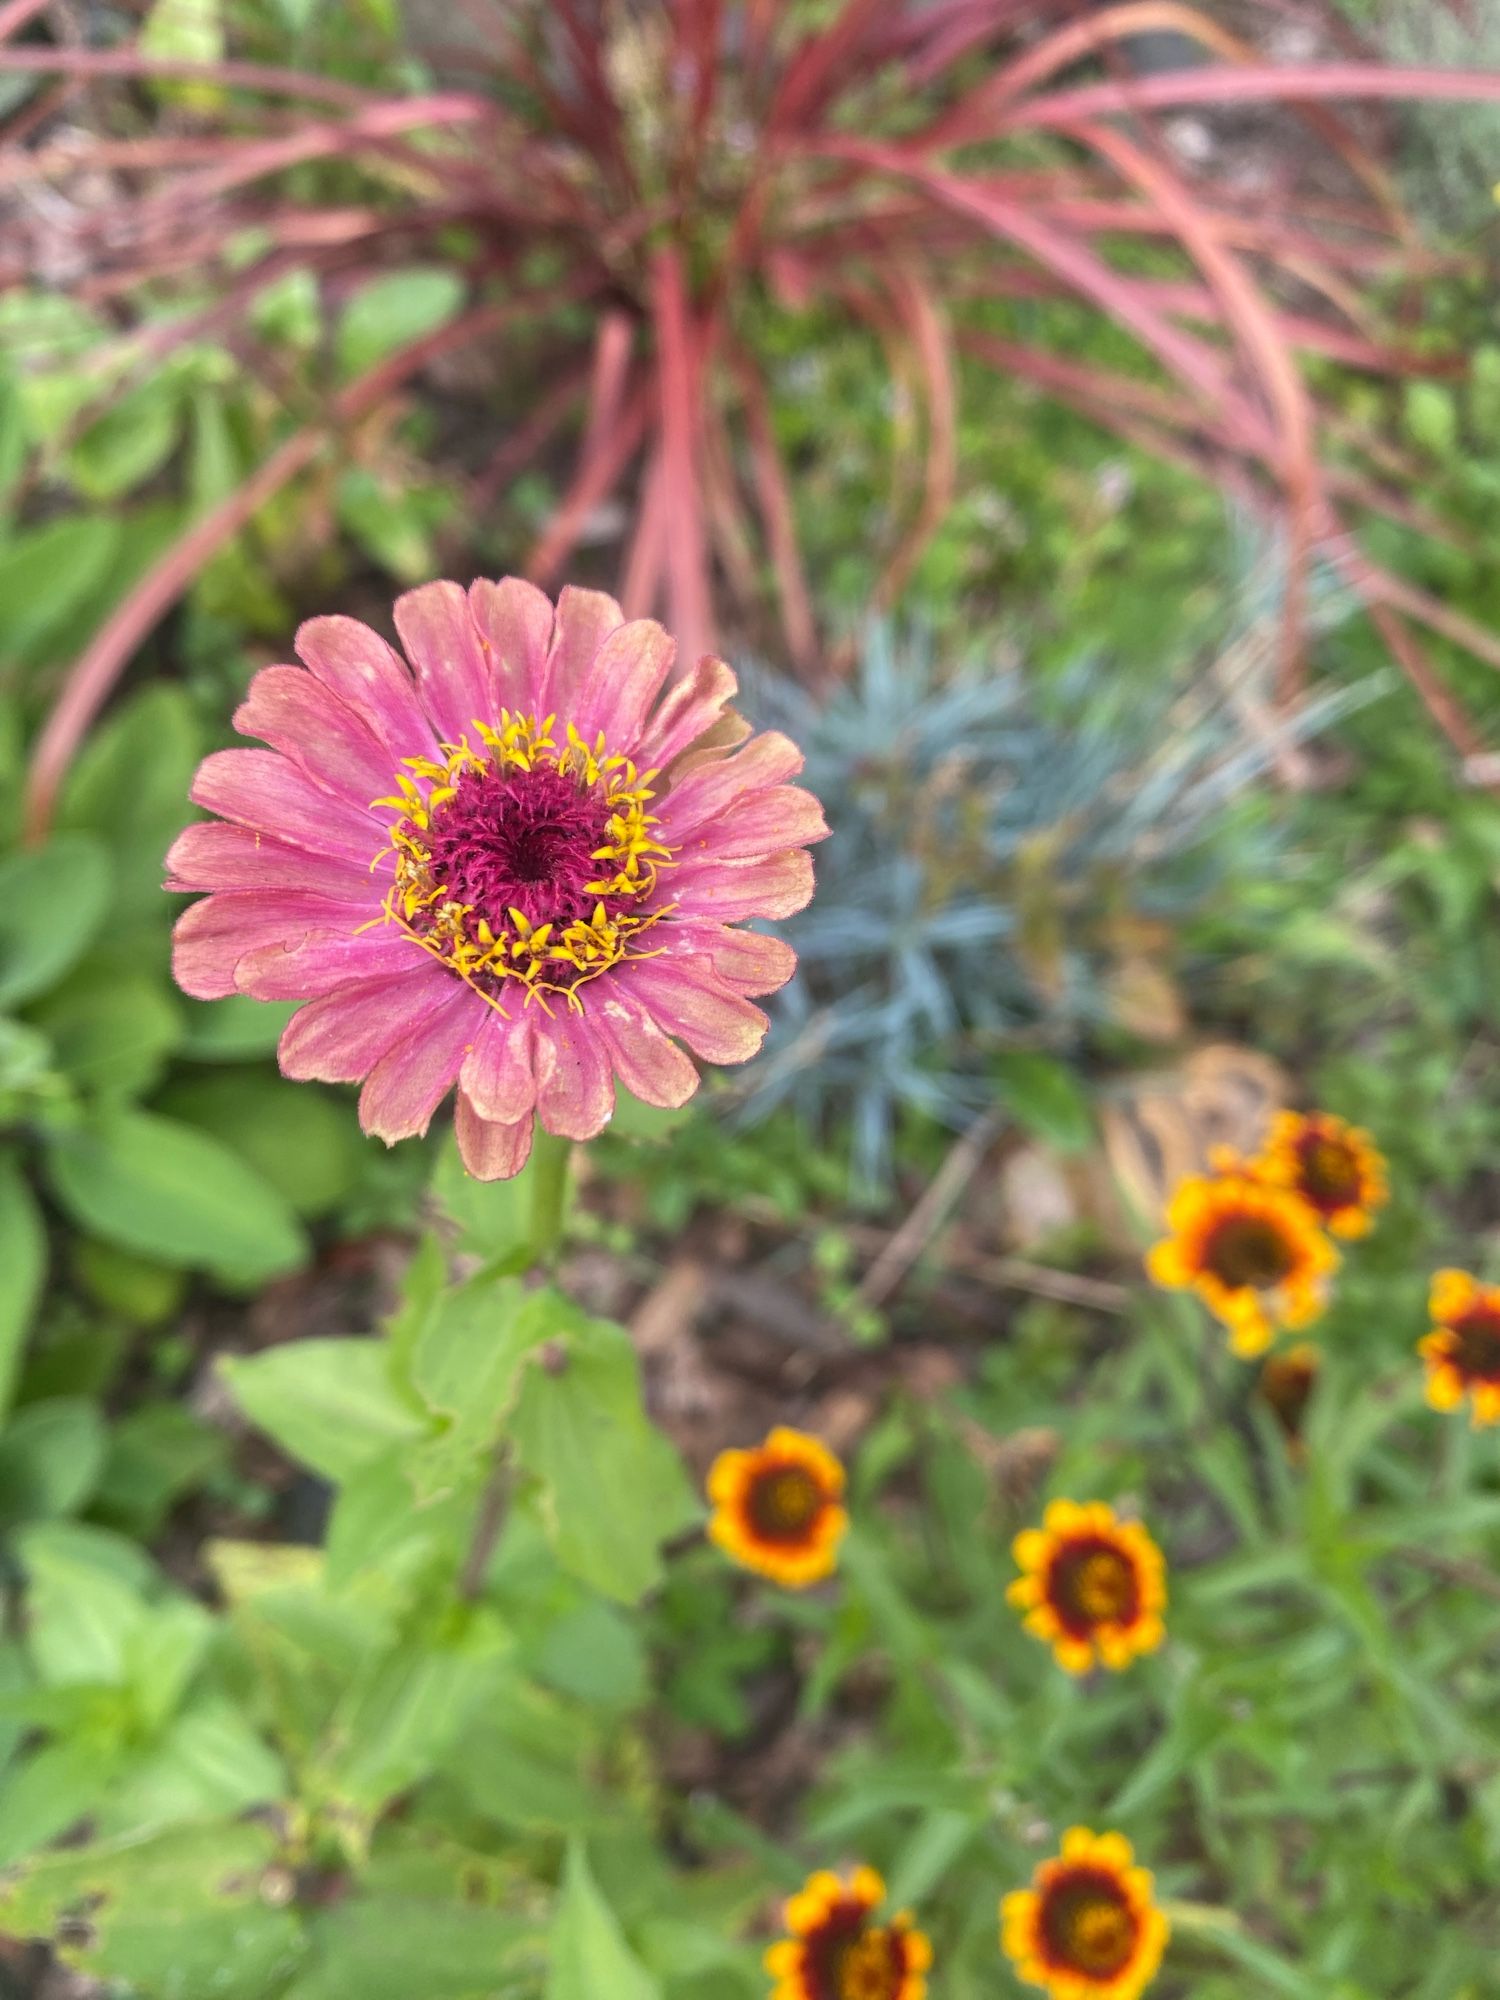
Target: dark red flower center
783, 1502
1476, 1344
850, 1960
1329, 1176
1248, 1251
1087, 1924
518, 840
1091, 1582
1287, 1382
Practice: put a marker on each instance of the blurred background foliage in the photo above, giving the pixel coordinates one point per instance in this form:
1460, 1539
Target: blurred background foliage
254, 1742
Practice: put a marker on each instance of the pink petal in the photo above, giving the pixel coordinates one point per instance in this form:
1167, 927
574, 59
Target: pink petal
491, 1152
413, 1077
751, 963
363, 671
212, 854
585, 619
341, 1038
261, 789
213, 936
514, 621
689, 999
650, 1066
712, 747
291, 710
785, 816
767, 760
621, 683
498, 1076
317, 965
575, 1088
453, 676
775, 885
694, 705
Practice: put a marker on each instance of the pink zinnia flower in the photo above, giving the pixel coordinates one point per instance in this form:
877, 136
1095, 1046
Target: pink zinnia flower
514, 867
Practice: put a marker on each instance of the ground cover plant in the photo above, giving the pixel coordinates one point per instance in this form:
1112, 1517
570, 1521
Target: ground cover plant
1007, 1500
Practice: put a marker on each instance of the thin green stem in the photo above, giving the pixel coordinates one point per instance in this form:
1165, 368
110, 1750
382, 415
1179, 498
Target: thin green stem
548, 1173
550, 1158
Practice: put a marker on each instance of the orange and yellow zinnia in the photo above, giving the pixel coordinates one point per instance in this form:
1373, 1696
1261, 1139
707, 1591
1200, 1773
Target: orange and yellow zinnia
1462, 1351
1088, 1928
837, 1951
1253, 1252
1093, 1586
778, 1508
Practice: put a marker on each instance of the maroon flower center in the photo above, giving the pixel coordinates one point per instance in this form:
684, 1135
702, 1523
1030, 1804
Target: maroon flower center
518, 840
1330, 1176
1093, 1583
1476, 1344
1087, 1924
847, 1961
783, 1503
1248, 1252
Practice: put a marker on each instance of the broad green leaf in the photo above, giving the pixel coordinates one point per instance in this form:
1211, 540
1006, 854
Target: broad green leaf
394, 1947
86, 1602
392, 311
23, 1269
1043, 1095
402, 1717
151, 1185
302, 1140
156, 1453
111, 1028
209, 1763
493, 1217
330, 1403
130, 788
52, 901
531, 1766
233, 1029
176, 1916
612, 1489
49, 1793
47, 573
137, 1288
132, 439
51, 1455
590, 1956
373, 1522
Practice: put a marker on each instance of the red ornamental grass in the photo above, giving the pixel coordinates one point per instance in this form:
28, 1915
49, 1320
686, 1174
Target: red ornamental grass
516, 866
620, 187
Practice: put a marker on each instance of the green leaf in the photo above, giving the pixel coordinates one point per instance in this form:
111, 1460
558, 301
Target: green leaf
177, 1916
1043, 1095
174, 1194
137, 1288
156, 1453
47, 573
111, 1028
133, 439
612, 1489
392, 1948
51, 1455
47, 1795
392, 311
303, 1140
493, 1217
23, 1269
130, 788
52, 900
590, 1956
330, 1403
85, 1603
230, 1030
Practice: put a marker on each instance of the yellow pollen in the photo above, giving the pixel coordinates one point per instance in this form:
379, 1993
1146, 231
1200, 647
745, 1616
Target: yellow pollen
543, 959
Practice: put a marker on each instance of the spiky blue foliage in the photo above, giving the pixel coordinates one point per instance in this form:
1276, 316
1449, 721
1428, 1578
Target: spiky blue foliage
990, 860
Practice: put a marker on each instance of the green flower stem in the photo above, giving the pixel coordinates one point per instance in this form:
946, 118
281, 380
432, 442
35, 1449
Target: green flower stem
550, 1159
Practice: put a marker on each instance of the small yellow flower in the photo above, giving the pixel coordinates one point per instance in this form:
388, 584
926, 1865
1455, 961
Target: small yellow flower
1463, 1350
1088, 1928
778, 1508
1094, 1586
1254, 1253
1336, 1168
835, 1952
